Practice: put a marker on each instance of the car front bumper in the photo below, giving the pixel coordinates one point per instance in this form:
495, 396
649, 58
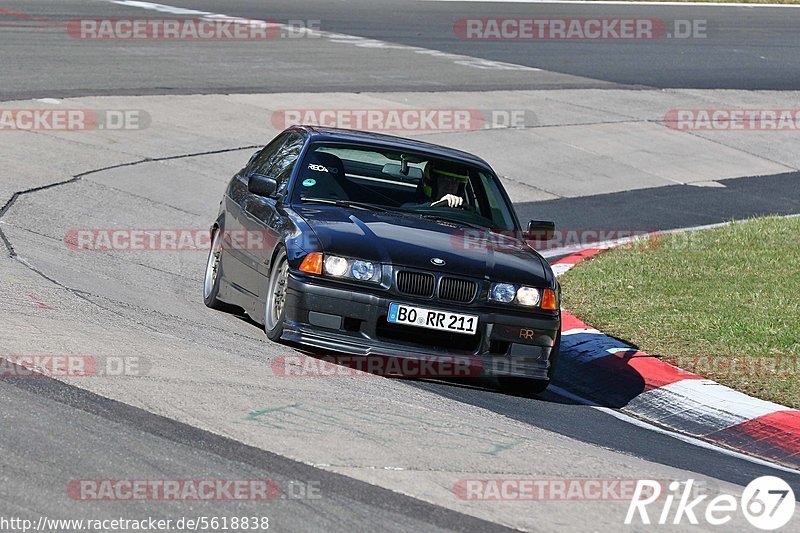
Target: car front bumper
337, 318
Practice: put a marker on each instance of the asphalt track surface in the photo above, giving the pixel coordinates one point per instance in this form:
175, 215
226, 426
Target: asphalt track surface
85, 430
676, 206
743, 48
61, 431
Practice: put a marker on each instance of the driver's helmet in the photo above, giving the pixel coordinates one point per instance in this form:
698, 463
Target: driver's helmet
441, 178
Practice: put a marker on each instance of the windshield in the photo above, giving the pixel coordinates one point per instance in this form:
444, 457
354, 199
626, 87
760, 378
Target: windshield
364, 177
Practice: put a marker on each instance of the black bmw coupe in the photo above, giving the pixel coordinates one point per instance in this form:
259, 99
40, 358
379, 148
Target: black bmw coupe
374, 245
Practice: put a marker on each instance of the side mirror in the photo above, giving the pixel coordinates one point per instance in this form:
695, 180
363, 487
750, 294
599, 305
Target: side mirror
261, 185
540, 230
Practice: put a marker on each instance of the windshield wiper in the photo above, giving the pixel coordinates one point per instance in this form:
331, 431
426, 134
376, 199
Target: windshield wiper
453, 221
346, 203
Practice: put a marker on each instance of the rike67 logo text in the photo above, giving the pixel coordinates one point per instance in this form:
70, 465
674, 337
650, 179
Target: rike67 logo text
767, 503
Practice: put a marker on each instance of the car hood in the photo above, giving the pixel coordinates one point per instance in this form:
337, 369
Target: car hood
413, 241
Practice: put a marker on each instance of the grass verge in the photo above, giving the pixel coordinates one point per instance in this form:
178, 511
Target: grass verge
724, 303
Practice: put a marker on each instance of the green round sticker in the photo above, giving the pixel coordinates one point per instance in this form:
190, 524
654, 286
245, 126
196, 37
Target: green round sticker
309, 182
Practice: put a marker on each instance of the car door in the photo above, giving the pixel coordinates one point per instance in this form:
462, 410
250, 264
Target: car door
261, 218
236, 262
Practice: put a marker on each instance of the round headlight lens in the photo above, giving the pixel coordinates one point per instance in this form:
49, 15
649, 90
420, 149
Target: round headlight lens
503, 292
528, 296
335, 266
363, 270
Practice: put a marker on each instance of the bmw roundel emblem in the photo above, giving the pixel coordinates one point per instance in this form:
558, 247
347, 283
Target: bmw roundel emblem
438, 262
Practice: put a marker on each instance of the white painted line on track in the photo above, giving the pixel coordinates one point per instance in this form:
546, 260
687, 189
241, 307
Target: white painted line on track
581, 331
620, 3
162, 8
341, 38
680, 436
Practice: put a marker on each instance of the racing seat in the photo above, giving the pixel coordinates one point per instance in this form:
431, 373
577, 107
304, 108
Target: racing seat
324, 177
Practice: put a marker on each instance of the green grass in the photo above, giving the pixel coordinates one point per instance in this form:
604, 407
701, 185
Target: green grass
724, 303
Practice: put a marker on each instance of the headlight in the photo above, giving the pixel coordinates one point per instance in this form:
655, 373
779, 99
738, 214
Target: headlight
503, 292
524, 296
528, 296
342, 267
363, 270
335, 266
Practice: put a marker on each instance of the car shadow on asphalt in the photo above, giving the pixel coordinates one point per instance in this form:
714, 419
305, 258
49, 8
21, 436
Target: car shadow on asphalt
472, 384
620, 386
601, 369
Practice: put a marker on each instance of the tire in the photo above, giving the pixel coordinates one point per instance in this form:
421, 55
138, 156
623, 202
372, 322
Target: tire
275, 307
527, 386
213, 274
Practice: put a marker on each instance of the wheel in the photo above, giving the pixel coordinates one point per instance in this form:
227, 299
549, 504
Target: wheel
275, 312
212, 277
527, 386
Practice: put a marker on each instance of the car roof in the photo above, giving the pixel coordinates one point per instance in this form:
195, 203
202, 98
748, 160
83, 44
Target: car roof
380, 140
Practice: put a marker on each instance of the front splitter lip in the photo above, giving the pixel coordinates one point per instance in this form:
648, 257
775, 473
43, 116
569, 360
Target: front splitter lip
475, 365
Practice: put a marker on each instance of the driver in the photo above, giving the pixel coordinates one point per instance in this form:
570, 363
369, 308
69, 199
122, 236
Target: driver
442, 184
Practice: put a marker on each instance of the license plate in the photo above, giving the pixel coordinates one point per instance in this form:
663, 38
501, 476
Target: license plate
432, 319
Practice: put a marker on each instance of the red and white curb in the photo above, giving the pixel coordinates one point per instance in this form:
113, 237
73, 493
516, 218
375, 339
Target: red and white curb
613, 373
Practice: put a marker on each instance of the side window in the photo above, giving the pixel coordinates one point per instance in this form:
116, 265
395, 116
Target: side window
285, 159
263, 161
497, 210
